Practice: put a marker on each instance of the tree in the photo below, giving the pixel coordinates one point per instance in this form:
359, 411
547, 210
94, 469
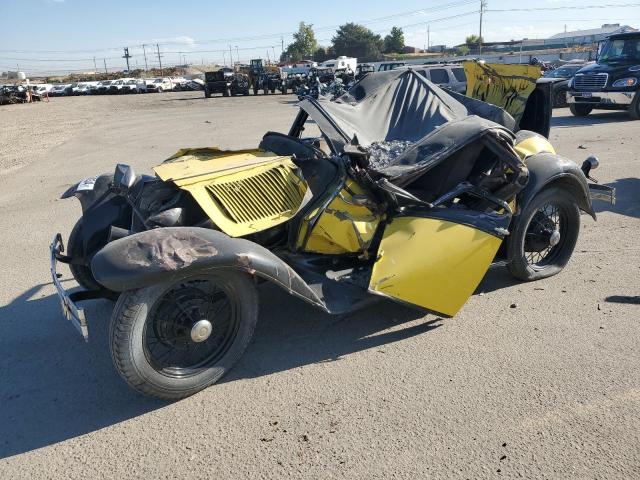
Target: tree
394, 42
304, 43
473, 40
357, 41
463, 50
322, 53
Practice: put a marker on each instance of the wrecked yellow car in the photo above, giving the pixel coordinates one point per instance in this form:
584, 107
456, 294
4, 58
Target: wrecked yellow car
397, 189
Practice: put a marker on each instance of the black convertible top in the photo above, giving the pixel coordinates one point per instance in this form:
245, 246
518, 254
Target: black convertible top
403, 105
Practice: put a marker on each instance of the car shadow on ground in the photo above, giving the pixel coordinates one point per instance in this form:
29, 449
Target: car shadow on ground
591, 119
55, 386
627, 198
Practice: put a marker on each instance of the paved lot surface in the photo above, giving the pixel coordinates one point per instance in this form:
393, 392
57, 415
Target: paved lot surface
550, 389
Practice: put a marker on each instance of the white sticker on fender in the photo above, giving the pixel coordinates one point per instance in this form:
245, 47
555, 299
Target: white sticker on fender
86, 184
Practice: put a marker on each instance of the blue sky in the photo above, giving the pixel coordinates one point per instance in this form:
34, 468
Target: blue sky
51, 35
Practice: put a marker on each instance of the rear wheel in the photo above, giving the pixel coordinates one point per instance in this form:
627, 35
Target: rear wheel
579, 110
175, 339
544, 236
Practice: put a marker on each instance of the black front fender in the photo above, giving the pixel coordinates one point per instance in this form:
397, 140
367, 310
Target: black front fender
547, 169
173, 254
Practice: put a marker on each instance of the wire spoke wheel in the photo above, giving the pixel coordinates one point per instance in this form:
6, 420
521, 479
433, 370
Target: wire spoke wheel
170, 339
544, 235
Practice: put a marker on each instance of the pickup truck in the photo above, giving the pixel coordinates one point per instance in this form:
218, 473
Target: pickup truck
161, 84
613, 82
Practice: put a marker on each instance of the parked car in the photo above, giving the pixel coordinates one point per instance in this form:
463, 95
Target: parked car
133, 85
159, 85
613, 82
386, 66
451, 77
179, 83
81, 88
102, 87
559, 80
61, 90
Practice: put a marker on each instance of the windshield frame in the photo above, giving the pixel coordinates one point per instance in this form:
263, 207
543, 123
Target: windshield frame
606, 53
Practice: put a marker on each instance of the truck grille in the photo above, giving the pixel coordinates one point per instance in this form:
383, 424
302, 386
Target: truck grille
590, 82
269, 194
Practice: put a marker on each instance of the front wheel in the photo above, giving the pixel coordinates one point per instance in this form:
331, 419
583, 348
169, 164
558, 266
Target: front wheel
634, 108
544, 236
175, 339
81, 272
580, 110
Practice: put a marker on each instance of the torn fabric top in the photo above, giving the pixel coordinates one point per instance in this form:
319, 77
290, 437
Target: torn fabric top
400, 105
403, 106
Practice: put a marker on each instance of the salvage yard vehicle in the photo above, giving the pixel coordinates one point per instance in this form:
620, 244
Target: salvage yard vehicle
334, 219
159, 85
451, 77
559, 80
227, 82
613, 82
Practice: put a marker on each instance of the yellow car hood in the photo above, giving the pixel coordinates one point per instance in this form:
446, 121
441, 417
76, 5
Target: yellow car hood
244, 191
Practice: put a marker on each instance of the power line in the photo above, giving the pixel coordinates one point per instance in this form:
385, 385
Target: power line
565, 7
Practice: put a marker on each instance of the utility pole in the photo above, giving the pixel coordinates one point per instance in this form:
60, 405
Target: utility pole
483, 5
159, 59
144, 52
105, 65
95, 67
428, 37
126, 56
282, 45
268, 59
237, 54
274, 53
230, 57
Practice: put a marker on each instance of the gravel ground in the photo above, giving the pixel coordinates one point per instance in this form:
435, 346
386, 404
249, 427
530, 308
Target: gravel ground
549, 389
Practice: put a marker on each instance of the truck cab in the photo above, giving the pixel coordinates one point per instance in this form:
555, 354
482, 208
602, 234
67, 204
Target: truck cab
613, 82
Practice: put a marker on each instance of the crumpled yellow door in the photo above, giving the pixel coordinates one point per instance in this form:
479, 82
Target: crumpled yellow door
432, 263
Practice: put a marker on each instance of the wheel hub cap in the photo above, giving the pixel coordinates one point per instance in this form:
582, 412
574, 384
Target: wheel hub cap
201, 330
554, 239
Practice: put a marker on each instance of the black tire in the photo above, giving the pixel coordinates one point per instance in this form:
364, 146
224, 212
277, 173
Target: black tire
160, 90
226, 92
81, 273
284, 90
138, 316
634, 108
579, 110
255, 89
560, 98
273, 90
207, 93
525, 238
266, 90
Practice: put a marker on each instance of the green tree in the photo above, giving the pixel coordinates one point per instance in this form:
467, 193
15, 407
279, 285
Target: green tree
322, 53
394, 42
304, 43
355, 40
463, 50
473, 40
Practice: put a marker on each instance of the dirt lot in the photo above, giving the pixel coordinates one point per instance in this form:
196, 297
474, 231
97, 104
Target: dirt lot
549, 389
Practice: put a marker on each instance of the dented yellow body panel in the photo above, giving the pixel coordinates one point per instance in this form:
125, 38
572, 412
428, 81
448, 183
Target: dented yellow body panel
343, 227
504, 85
432, 263
243, 192
532, 146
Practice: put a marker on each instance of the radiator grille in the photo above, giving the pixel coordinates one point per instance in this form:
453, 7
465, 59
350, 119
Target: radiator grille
590, 82
265, 195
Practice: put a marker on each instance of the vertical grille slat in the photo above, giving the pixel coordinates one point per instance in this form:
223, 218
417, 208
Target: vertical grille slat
262, 196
